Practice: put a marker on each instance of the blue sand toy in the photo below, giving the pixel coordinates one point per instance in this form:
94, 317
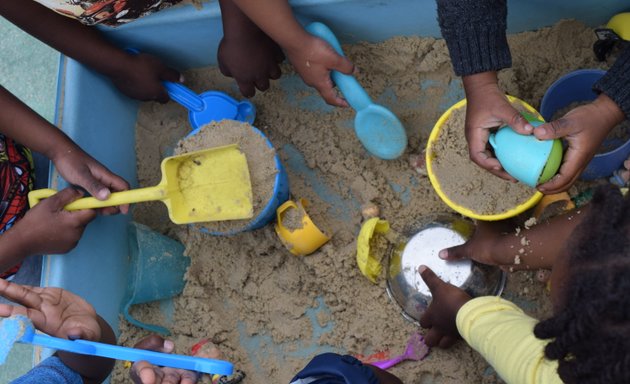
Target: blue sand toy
378, 129
210, 106
20, 329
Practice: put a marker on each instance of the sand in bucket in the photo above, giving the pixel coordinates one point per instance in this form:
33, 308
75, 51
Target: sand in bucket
464, 182
260, 160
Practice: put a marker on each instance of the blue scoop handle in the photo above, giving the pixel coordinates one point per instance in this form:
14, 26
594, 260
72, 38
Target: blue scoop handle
93, 348
184, 96
349, 86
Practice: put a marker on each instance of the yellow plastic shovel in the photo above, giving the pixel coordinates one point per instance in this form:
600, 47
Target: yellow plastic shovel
208, 185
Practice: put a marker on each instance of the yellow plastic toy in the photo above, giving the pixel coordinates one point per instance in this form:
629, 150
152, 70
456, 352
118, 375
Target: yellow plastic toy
430, 155
208, 185
370, 263
296, 230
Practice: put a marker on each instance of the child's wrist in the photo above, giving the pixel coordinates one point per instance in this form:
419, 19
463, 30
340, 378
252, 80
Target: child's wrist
480, 82
610, 110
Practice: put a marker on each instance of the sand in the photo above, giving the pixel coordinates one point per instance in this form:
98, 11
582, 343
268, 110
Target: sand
269, 311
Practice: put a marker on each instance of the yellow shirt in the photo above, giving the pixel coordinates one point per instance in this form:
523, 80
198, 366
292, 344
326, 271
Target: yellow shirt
504, 335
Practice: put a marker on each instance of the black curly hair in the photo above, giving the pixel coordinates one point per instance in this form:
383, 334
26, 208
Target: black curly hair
592, 332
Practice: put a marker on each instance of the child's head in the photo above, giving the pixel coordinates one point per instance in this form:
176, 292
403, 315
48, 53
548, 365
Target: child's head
591, 328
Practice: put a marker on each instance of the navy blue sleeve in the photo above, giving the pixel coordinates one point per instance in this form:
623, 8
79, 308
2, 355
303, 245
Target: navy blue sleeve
475, 33
616, 82
50, 371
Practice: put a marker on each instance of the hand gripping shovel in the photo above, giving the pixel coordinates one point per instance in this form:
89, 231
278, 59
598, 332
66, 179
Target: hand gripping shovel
208, 185
378, 129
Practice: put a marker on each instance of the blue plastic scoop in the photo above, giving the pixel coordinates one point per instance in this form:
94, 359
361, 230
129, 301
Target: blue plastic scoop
378, 129
20, 328
210, 106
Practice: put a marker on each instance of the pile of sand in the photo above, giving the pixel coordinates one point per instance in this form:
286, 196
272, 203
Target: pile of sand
269, 311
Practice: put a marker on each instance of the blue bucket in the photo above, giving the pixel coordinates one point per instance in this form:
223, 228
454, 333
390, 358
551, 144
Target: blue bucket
575, 87
279, 196
158, 266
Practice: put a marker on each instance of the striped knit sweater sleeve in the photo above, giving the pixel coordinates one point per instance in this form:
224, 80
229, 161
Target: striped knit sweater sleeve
475, 33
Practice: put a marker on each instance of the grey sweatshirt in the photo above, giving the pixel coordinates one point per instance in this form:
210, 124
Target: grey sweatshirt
475, 33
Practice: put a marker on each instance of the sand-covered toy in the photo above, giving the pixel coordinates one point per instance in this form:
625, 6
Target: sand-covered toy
296, 230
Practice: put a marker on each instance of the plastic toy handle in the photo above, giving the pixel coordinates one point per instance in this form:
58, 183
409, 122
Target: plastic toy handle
385, 364
349, 86
93, 348
117, 198
281, 209
184, 96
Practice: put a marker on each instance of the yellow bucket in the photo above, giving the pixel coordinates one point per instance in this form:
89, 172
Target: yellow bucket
430, 155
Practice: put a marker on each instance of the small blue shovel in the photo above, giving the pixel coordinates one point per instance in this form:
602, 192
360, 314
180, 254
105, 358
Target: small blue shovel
20, 329
378, 129
210, 106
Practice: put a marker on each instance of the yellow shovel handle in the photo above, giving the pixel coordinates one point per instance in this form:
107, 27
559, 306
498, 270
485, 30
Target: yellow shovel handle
115, 199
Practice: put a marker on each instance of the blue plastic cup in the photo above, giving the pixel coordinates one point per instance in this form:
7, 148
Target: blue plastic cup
279, 196
157, 270
577, 86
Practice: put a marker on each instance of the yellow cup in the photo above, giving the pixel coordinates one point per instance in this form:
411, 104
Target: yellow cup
301, 236
430, 155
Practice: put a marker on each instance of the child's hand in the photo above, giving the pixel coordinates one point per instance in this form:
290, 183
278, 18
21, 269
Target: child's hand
481, 245
143, 372
488, 108
141, 75
251, 60
584, 128
54, 311
440, 317
79, 168
313, 59
48, 228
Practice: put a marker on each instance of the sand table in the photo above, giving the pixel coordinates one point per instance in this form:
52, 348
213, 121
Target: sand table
269, 311
465, 183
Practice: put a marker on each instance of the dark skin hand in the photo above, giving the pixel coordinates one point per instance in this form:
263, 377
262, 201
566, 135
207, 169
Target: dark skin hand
584, 129
45, 229
488, 108
495, 243
246, 53
440, 317
143, 372
137, 76
62, 314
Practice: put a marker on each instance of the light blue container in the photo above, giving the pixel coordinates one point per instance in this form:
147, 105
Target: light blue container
101, 120
577, 86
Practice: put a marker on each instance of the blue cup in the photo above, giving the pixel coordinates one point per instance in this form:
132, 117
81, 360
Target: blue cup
279, 196
524, 157
577, 86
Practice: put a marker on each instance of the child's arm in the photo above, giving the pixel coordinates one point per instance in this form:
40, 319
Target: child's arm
138, 76
47, 228
25, 126
498, 243
312, 57
586, 127
494, 327
62, 314
246, 53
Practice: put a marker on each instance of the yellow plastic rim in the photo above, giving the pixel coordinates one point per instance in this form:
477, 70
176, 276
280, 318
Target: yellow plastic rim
437, 128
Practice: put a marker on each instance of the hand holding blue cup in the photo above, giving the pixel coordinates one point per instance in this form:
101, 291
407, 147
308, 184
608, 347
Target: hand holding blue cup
524, 157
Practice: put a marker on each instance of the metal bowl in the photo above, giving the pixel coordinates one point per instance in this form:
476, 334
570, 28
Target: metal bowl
404, 284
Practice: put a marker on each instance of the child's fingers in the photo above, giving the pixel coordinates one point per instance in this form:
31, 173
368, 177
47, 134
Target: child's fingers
143, 372
19, 294
447, 342
155, 343
430, 278
433, 337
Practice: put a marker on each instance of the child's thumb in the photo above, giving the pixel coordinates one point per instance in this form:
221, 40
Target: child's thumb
156, 343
